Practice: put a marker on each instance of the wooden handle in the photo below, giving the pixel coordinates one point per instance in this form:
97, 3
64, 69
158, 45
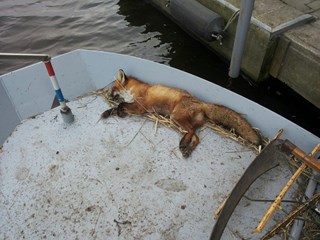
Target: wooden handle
289, 147
306, 159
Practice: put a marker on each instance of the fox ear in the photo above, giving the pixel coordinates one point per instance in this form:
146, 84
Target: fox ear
121, 76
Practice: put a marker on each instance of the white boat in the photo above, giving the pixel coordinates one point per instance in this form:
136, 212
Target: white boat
119, 178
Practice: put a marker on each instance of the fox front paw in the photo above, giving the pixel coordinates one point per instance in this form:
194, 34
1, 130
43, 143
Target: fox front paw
107, 113
121, 110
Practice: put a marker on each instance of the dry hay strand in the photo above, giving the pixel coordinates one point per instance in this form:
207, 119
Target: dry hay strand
159, 119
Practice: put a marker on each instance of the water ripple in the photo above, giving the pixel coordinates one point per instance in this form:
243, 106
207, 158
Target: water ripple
56, 27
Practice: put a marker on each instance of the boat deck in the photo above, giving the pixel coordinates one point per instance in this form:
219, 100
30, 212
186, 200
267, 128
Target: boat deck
121, 179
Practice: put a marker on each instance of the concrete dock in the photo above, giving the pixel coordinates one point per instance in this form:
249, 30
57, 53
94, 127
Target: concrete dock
283, 41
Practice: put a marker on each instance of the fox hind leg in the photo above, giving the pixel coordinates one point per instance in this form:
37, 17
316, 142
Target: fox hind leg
188, 143
190, 140
188, 115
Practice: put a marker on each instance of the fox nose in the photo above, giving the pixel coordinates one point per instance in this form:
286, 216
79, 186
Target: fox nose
115, 97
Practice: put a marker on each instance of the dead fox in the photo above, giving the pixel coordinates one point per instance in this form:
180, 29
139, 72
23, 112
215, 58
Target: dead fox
136, 97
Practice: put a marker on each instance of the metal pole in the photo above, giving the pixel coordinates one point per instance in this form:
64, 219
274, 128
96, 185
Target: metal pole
246, 9
26, 56
298, 224
65, 111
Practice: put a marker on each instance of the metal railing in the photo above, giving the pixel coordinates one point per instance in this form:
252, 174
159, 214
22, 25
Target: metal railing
46, 59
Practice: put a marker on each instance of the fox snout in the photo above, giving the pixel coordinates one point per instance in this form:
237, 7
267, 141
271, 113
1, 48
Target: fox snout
115, 97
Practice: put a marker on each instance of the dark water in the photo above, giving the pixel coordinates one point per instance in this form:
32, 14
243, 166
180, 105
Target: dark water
134, 28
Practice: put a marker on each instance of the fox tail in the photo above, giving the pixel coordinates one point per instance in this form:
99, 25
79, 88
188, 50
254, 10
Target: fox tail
228, 118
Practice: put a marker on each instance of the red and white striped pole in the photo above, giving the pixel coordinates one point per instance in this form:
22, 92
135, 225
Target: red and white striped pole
65, 111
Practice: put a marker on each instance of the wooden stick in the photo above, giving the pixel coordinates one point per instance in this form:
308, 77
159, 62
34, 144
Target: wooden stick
279, 133
219, 209
300, 209
275, 205
277, 201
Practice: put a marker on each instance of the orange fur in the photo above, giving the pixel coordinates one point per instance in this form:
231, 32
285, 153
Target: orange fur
136, 97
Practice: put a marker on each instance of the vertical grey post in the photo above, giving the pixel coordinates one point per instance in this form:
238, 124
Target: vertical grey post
246, 9
298, 224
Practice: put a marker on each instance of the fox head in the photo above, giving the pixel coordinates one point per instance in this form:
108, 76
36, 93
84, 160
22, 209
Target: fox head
119, 93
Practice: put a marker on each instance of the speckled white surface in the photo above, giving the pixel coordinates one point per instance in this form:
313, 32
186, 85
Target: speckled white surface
75, 182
